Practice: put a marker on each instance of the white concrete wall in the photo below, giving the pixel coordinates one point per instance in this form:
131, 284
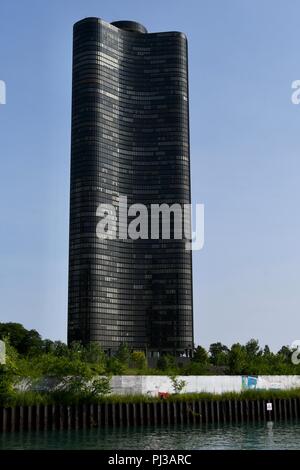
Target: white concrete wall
281, 382
153, 384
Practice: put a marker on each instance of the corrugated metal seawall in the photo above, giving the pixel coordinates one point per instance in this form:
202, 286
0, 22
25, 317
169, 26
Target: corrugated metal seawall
164, 412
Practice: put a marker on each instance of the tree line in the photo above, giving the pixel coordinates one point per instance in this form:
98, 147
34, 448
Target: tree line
33, 356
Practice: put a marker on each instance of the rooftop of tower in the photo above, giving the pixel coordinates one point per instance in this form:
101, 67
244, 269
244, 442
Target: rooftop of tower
131, 26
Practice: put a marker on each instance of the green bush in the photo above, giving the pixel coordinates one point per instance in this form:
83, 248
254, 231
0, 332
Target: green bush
29, 356
138, 360
200, 356
8, 373
123, 354
166, 362
115, 366
34, 398
6, 384
77, 389
177, 384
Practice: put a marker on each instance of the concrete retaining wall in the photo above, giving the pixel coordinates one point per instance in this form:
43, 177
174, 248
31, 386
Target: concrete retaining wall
153, 384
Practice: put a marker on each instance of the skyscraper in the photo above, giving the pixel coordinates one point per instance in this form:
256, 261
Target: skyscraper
130, 137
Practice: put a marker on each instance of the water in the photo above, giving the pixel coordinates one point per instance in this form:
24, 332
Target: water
239, 436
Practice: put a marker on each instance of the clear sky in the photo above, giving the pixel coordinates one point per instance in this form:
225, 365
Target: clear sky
245, 147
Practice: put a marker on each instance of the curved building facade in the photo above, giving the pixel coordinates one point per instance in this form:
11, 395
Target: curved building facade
130, 137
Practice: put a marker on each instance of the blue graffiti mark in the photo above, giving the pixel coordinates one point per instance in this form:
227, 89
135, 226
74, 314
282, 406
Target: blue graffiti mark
249, 382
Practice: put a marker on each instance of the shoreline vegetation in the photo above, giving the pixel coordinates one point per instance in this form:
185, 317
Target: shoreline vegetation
128, 411
85, 371
51, 398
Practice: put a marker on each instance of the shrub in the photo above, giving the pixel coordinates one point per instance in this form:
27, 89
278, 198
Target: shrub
166, 362
115, 366
200, 356
138, 360
6, 384
8, 373
78, 389
123, 354
177, 384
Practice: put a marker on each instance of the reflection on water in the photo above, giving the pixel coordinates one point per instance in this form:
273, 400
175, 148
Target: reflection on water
285, 435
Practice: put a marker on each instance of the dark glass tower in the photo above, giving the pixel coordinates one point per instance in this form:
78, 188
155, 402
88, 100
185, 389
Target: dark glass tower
130, 136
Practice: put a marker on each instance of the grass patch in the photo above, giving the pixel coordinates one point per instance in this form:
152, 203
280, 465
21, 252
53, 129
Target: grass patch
31, 398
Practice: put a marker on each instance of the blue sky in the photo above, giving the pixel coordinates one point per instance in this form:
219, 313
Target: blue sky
245, 147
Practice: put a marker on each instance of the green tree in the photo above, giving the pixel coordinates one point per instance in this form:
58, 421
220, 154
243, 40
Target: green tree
285, 354
138, 360
200, 356
177, 384
123, 354
237, 359
115, 366
59, 349
193, 368
166, 362
47, 346
77, 388
24, 341
218, 354
252, 348
8, 373
93, 354
267, 352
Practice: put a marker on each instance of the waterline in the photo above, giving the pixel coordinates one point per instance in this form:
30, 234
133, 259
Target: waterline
264, 436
